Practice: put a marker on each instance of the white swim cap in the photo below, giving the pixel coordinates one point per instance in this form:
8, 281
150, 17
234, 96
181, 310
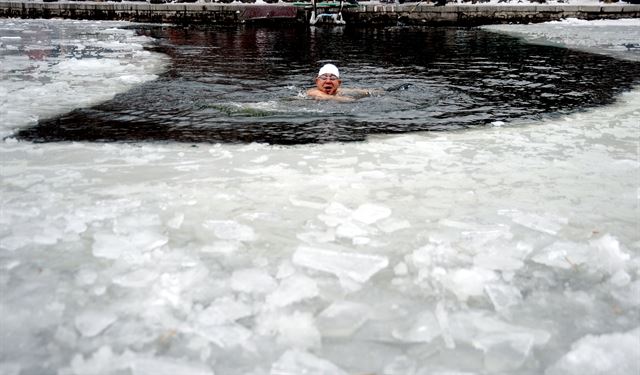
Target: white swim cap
329, 69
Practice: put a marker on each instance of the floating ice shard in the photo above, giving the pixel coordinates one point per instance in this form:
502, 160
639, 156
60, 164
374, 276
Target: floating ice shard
546, 224
390, 225
342, 318
424, 328
608, 255
468, 282
176, 221
602, 254
86, 277
224, 310
355, 266
369, 213
504, 351
298, 330
335, 214
230, 230
225, 336
628, 296
136, 279
401, 365
610, 354
221, 247
91, 322
503, 296
443, 321
349, 229
472, 325
293, 289
113, 246
497, 261
109, 246
102, 361
15, 242
167, 366
562, 254
252, 280
296, 362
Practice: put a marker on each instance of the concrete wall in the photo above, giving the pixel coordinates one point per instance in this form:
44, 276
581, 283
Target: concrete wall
473, 15
367, 14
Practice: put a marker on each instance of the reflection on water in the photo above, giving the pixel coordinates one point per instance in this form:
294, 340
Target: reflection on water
245, 84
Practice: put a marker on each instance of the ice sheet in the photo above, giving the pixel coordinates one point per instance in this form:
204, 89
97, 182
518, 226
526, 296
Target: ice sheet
65, 65
511, 249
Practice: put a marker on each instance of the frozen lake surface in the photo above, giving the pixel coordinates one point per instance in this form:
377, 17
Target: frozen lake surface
510, 249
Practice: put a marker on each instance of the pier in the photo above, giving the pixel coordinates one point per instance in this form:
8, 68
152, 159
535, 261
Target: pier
364, 14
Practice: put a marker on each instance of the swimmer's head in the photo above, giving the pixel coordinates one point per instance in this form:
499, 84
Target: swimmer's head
329, 69
328, 79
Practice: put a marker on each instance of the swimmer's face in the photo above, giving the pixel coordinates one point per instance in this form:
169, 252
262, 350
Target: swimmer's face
328, 83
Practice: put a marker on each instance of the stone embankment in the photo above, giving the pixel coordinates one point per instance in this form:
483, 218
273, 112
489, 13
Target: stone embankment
378, 14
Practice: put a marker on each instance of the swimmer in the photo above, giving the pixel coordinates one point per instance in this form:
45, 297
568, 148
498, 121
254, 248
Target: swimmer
328, 87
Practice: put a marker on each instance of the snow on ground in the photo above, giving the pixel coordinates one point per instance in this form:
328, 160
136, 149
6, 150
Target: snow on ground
504, 250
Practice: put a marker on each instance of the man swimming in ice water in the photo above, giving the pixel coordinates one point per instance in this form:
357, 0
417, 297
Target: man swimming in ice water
328, 87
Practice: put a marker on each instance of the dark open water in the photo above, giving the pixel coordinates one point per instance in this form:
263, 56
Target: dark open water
244, 84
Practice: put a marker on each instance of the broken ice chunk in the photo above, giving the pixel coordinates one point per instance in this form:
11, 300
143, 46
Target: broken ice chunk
110, 246
355, 266
424, 329
468, 282
252, 280
296, 362
628, 296
91, 322
369, 213
401, 269
504, 351
503, 296
391, 225
546, 224
443, 321
298, 330
102, 361
401, 365
176, 221
608, 255
335, 214
221, 247
167, 366
136, 279
230, 230
86, 277
225, 336
223, 310
342, 318
350, 230
562, 254
293, 289
497, 261
620, 278
615, 353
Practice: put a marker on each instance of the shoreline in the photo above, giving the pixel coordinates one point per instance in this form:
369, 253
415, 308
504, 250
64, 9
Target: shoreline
364, 14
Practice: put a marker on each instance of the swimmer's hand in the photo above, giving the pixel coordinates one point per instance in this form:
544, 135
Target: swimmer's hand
400, 87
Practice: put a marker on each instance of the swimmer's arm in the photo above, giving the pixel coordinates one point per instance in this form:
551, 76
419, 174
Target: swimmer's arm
319, 95
362, 92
